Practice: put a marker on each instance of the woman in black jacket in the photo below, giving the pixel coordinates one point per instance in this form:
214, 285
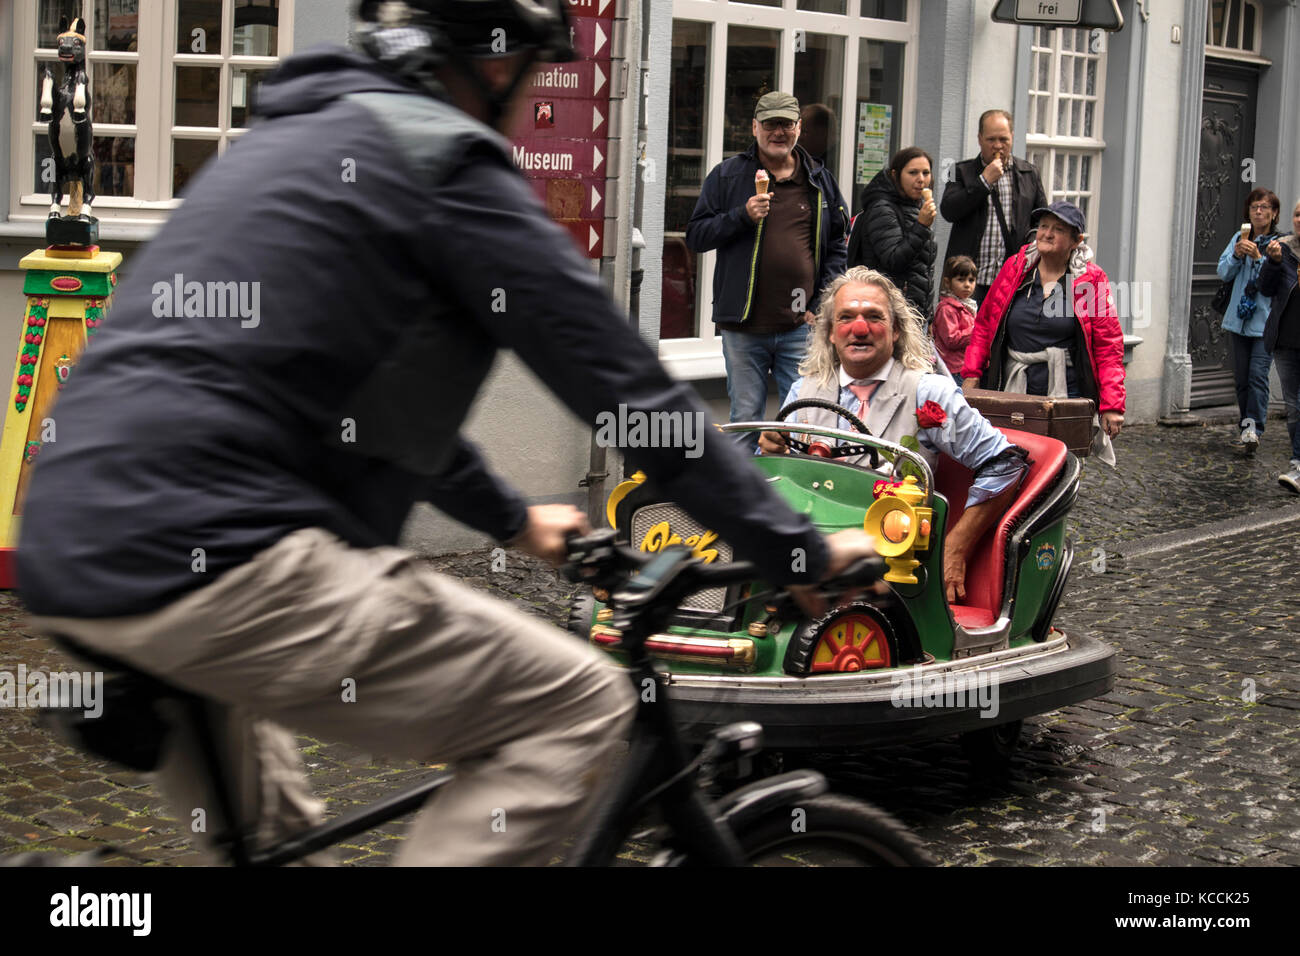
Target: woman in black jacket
893, 234
1278, 279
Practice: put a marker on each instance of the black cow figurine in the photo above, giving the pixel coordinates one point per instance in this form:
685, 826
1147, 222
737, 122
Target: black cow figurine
67, 107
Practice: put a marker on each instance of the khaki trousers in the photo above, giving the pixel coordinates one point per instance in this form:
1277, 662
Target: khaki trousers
371, 648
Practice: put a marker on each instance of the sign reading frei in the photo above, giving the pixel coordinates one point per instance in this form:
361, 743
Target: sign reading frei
562, 145
1087, 14
1049, 11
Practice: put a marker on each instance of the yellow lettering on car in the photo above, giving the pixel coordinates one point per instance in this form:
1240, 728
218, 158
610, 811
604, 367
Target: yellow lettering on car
661, 536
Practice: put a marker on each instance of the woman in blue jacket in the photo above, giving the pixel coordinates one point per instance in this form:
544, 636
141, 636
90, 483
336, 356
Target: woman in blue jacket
1248, 312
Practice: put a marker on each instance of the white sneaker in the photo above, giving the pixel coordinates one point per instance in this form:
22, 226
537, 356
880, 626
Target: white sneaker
1250, 438
1290, 480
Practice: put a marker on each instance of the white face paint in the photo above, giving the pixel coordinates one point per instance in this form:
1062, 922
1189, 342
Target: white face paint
864, 352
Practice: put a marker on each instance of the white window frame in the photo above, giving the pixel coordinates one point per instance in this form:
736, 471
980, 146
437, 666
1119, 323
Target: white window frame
701, 357
1242, 47
1056, 148
154, 127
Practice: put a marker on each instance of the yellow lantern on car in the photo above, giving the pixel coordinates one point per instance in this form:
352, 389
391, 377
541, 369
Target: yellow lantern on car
900, 527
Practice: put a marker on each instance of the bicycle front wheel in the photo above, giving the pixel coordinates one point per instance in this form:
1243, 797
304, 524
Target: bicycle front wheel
831, 830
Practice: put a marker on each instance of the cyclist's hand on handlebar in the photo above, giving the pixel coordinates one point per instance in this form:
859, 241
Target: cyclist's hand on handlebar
548, 527
773, 443
846, 547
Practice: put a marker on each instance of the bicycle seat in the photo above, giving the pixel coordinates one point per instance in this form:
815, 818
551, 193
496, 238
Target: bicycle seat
130, 729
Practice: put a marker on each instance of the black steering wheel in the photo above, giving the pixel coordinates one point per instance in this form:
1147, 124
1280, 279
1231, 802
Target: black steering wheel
820, 449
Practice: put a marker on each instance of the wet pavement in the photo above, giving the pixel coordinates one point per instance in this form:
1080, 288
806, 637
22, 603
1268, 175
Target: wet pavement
1190, 760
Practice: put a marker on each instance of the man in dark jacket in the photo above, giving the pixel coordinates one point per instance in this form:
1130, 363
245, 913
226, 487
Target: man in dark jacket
1277, 278
222, 502
779, 246
969, 202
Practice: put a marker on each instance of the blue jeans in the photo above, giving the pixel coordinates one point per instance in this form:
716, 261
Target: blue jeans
749, 359
1288, 370
1250, 364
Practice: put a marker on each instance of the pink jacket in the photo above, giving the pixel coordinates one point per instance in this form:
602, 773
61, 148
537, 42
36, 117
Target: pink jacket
1094, 308
952, 327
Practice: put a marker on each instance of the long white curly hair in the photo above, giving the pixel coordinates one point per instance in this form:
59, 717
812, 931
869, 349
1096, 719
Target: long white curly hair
911, 347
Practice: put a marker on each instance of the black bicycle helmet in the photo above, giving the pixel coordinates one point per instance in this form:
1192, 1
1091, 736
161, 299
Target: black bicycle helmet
486, 28
415, 38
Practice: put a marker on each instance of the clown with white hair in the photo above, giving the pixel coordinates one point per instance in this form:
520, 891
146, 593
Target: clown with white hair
869, 356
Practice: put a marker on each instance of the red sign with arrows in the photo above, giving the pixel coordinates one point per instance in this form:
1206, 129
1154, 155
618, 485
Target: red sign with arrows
572, 199
590, 9
571, 119
563, 145
541, 157
589, 234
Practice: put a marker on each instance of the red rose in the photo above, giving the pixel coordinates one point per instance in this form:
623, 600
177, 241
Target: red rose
931, 415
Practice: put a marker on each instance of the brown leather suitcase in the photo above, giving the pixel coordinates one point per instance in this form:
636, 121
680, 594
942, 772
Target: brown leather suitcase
1067, 419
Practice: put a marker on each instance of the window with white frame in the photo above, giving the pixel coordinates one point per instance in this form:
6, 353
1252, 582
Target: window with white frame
1066, 93
855, 58
171, 83
1234, 26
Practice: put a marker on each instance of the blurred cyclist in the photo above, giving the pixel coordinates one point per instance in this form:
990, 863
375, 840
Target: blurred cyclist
223, 500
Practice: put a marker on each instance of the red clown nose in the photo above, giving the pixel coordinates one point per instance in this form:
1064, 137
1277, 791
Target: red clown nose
856, 329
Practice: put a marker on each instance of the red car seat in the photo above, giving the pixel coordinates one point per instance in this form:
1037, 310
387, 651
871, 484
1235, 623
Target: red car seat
986, 564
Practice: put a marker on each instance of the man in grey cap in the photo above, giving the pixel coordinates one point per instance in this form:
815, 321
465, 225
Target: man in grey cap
779, 223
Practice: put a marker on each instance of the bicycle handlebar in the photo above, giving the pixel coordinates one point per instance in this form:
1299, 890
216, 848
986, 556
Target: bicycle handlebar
598, 559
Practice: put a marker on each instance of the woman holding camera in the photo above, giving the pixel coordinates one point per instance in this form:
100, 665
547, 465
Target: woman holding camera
1247, 312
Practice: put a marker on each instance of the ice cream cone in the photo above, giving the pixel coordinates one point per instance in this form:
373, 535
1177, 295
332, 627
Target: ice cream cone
761, 181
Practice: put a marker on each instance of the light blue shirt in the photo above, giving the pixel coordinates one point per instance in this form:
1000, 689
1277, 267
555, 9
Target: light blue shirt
1239, 272
966, 436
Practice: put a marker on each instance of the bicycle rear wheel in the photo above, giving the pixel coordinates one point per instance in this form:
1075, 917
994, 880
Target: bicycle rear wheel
831, 830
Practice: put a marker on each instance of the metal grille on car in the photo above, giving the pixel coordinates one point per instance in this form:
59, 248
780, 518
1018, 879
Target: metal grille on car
685, 527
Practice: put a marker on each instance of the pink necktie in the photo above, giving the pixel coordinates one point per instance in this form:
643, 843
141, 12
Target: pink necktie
864, 393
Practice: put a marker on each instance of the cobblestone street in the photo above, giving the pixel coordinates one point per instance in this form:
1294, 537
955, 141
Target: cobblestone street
1190, 760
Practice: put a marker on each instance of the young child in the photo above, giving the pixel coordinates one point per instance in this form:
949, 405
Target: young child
954, 319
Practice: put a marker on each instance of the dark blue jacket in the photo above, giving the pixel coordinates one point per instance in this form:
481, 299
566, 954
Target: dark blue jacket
1278, 280
721, 222
385, 231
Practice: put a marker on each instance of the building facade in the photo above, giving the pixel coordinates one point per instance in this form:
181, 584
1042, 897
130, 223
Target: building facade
1157, 131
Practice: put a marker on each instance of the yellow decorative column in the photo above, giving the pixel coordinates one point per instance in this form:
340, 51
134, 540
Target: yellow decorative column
68, 292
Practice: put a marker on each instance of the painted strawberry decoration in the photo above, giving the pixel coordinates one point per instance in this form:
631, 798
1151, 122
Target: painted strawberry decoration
885, 487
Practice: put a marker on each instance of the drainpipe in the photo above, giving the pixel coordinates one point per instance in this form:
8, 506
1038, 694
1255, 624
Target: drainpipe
598, 471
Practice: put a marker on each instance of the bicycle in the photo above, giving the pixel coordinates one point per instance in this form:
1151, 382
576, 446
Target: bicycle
780, 815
